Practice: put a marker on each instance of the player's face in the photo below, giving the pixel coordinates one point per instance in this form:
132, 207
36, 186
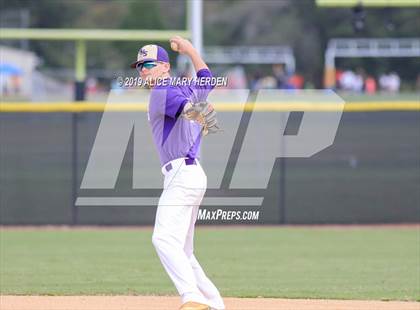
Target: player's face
151, 70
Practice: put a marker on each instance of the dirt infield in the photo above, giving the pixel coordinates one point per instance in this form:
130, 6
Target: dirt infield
172, 303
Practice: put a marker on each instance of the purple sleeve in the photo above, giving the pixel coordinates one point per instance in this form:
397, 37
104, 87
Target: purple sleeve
175, 102
202, 88
203, 74
167, 101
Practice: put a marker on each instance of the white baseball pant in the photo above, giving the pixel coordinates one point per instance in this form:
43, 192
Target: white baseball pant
173, 235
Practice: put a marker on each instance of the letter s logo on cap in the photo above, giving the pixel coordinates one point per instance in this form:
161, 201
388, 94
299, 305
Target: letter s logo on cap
143, 52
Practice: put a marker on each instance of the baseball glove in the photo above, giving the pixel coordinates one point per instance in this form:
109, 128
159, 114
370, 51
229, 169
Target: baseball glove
203, 113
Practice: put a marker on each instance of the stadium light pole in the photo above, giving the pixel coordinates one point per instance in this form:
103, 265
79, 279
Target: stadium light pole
195, 23
80, 70
79, 95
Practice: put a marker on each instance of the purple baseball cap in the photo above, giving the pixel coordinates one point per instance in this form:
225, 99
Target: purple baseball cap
151, 52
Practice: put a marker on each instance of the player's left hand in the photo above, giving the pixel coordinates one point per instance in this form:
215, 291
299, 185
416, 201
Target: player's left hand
204, 114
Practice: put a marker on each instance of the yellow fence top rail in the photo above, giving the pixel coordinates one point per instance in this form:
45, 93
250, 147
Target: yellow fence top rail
78, 107
90, 34
374, 3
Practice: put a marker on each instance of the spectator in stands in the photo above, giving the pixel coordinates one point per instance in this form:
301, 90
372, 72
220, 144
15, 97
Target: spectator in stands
383, 81
236, 77
352, 81
268, 82
394, 82
390, 82
254, 81
338, 75
280, 76
91, 85
347, 80
297, 81
359, 82
370, 85
16, 82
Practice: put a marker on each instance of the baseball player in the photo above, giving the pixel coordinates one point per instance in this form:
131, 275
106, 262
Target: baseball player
179, 117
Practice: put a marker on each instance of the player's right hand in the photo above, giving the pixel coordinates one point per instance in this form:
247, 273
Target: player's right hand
183, 45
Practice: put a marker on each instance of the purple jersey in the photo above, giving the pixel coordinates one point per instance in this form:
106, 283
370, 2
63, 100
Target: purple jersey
175, 136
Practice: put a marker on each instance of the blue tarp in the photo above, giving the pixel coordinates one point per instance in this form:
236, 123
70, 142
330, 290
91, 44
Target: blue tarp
9, 69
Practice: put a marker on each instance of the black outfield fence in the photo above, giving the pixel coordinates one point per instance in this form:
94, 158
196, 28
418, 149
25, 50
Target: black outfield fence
371, 174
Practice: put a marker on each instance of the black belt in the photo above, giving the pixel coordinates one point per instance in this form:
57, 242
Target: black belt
188, 161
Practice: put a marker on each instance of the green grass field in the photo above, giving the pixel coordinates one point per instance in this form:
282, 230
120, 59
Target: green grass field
353, 263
